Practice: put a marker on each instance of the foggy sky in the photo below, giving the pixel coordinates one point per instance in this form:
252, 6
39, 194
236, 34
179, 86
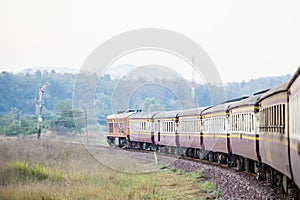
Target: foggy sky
245, 39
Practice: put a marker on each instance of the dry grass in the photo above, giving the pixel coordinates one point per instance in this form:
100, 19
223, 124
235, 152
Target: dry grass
72, 173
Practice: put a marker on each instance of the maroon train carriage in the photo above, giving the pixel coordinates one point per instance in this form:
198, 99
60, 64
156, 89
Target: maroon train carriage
118, 128
216, 140
274, 135
244, 134
142, 130
190, 134
294, 127
166, 131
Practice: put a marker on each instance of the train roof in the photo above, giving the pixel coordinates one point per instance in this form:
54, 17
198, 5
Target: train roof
167, 114
217, 108
281, 88
143, 115
192, 111
251, 101
120, 115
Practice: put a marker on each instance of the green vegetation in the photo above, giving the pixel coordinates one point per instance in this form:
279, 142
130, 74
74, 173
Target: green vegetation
23, 170
32, 169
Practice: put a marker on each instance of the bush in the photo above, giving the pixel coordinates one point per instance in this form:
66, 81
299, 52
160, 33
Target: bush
36, 171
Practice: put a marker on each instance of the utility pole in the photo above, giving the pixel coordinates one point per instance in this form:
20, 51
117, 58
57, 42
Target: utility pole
39, 108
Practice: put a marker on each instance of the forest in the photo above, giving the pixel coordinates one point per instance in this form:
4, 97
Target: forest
20, 92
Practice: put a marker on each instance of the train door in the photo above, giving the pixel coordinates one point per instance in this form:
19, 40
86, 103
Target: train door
158, 133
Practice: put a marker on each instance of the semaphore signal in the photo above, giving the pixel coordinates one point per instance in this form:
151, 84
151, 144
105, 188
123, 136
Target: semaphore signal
39, 108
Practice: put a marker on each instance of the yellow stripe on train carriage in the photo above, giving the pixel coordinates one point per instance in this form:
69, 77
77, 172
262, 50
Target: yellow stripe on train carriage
214, 115
195, 117
244, 109
246, 136
139, 133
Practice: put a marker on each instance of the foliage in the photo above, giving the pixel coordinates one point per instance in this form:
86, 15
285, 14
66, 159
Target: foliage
36, 171
65, 117
14, 123
207, 186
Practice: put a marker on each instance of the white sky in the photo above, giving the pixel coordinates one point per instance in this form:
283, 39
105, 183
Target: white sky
245, 39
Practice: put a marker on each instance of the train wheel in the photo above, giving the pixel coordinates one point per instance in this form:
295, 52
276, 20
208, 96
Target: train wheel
260, 171
190, 153
247, 165
203, 154
211, 157
111, 141
177, 151
169, 150
138, 145
198, 153
144, 146
240, 164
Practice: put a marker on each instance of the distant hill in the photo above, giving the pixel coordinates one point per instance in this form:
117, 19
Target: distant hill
60, 70
235, 89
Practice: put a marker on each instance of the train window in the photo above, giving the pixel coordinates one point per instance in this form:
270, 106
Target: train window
283, 118
166, 126
274, 119
252, 123
280, 115
271, 117
235, 123
277, 119
268, 119
121, 127
110, 127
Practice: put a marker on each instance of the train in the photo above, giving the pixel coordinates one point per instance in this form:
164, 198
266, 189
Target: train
258, 133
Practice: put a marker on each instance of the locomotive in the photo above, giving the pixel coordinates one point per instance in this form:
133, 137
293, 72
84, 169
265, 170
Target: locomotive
258, 133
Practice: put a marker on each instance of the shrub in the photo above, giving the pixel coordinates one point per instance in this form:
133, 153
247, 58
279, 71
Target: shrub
36, 171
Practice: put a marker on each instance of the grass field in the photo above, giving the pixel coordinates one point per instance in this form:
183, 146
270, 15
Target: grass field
31, 169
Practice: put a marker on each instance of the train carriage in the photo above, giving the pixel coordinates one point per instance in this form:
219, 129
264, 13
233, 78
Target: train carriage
166, 130
215, 131
294, 126
190, 134
190, 128
274, 133
142, 130
244, 135
118, 127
